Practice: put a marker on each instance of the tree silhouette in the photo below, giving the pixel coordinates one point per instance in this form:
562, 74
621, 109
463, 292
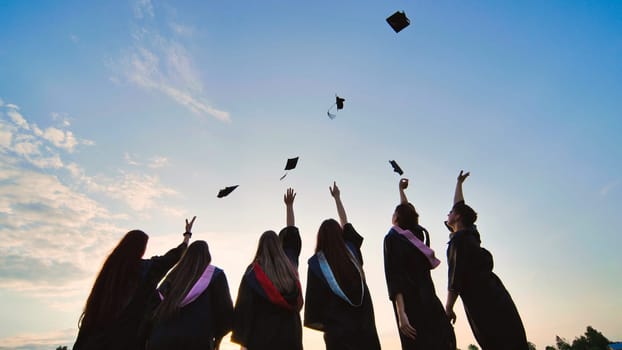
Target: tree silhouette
591, 340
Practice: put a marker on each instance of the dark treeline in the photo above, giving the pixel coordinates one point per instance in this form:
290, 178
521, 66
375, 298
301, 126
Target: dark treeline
591, 340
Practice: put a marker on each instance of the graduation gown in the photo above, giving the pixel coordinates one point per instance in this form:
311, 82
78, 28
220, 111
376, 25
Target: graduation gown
345, 327
127, 332
407, 271
263, 317
201, 324
493, 317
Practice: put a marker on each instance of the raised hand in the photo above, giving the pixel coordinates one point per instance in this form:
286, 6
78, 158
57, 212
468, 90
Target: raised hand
189, 224
334, 191
289, 196
403, 184
462, 176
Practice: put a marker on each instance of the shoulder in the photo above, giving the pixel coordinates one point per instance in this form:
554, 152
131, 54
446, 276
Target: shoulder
392, 234
314, 265
463, 238
312, 260
350, 234
248, 272
349, 228
219, 272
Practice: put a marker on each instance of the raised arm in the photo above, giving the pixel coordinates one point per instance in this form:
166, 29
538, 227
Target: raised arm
288, 198
161, 264
402, 186
334, 191
458, 196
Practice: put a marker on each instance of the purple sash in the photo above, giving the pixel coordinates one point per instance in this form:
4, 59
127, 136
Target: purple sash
199, 287
427, 251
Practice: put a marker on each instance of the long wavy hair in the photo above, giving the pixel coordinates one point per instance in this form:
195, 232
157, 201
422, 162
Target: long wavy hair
182, 278
331, 243
407, 218
116, 282
276, 265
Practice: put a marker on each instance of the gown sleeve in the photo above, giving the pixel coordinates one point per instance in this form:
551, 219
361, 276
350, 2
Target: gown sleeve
243, 315
350, 235
223, 308
353, 239
457, 259
292, 244
393, 267
159, 265
315, 302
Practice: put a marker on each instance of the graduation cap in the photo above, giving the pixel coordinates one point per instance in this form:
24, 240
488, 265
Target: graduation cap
339, 103
291, 164
225, 191
398, 21
396, 167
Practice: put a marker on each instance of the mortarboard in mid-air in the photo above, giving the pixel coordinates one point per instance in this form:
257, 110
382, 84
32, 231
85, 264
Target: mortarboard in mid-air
396, 167
398, 21
225, 191
338, 103
291, 164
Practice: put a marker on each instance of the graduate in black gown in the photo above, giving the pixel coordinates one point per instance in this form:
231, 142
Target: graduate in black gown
196, 311
337, 300
408, 259
493, 317
122, 293
267, 310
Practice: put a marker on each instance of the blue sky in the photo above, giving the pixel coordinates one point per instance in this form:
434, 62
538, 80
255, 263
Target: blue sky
133, 114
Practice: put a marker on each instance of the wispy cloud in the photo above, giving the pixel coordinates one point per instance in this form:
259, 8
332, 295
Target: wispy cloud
138, 191
154, 162
47, 209
44, 219
62, 117
18, 135
17, 118
163, 64
143, 8
158, 162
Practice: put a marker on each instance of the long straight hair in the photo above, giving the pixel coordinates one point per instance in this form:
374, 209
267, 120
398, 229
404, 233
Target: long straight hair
277, 266
407, 218
116, 282
331, 243
182, 278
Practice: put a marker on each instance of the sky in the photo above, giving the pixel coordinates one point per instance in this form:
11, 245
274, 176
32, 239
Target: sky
116, 115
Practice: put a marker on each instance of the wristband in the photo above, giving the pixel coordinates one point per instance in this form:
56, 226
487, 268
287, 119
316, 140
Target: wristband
188, 233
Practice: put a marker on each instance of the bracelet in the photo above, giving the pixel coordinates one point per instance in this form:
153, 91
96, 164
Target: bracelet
188, 233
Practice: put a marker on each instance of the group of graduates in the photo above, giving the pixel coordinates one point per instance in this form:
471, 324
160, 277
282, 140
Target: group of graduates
128, 307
